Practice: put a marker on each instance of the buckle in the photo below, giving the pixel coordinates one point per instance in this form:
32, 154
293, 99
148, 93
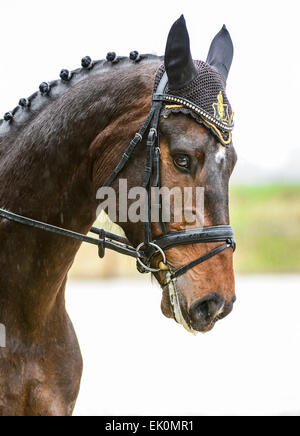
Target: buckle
154, 131
139, 137
231, 242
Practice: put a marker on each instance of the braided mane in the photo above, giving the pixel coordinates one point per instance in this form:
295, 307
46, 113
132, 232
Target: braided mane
49, 91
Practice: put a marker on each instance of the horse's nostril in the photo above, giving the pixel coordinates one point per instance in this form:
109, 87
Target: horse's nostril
207, 308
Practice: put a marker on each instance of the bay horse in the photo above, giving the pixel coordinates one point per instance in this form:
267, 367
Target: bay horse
57, 148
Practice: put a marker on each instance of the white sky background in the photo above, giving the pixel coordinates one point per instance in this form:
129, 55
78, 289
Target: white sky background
40, 38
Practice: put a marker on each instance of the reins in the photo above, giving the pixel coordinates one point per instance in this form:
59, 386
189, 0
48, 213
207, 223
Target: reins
106, 239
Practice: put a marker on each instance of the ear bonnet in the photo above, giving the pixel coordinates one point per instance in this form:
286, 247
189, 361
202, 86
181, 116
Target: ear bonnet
198, 88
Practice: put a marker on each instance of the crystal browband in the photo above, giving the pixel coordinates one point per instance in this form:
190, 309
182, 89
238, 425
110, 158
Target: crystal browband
189, 105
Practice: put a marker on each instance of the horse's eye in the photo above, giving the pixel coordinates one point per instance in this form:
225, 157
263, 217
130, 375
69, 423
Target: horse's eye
182, 161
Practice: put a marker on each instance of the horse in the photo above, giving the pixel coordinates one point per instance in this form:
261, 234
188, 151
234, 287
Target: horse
57, 148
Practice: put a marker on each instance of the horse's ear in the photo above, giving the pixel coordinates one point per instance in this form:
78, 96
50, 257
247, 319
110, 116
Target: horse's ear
179, 64
221, 52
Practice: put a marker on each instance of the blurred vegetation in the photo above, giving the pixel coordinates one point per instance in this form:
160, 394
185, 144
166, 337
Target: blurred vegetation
266, 220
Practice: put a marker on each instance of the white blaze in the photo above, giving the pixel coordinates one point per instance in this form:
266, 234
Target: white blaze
221, 153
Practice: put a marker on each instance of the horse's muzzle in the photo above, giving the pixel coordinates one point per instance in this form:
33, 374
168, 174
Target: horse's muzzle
206, 311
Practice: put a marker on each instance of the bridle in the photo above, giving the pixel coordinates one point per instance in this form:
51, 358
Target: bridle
149, 247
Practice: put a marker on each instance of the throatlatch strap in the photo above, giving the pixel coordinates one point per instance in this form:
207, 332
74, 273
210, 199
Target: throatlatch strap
128, 153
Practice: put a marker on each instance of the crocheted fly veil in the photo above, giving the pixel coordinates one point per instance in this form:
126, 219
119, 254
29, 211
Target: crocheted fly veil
198, 88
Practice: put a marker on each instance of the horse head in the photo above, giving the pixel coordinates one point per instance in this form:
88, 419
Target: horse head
195, 147
193, 155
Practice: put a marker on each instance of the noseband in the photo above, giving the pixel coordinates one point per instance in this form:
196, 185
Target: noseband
149, 247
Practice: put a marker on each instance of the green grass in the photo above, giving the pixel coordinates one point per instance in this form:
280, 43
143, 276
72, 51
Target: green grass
266, 220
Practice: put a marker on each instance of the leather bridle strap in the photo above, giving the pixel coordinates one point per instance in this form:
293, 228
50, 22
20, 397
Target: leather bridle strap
193, 236
179, 272
152, 167
154, 113
131, 148
106, 239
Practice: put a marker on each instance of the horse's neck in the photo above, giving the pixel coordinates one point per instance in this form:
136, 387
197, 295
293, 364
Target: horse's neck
48, 174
